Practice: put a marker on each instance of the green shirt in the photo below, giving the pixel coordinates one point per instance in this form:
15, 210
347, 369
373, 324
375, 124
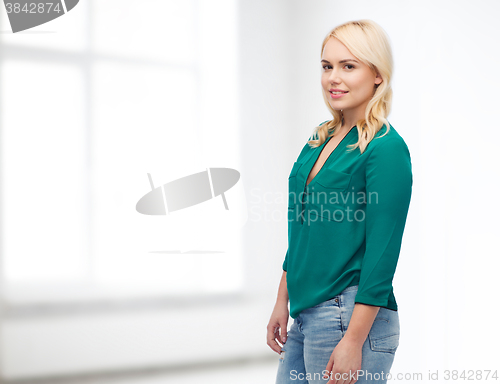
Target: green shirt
345, 228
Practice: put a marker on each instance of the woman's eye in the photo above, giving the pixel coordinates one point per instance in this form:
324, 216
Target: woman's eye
326, 66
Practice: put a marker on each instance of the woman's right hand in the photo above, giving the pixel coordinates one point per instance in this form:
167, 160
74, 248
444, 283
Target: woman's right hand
277, 327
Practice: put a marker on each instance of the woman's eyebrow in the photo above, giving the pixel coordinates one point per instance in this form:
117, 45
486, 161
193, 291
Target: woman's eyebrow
341, 61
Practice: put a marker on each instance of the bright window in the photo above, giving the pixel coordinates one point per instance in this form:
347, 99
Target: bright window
86, 117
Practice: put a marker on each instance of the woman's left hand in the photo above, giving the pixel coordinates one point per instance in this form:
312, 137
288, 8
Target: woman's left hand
344, 362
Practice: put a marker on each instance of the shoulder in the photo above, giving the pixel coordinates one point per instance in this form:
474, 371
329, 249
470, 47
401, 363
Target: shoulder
314, 136
388, 162
387, 142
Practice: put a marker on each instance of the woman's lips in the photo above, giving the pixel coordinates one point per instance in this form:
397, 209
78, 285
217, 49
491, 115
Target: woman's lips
338, 95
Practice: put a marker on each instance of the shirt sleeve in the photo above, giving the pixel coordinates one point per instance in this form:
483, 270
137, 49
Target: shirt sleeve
389, 183
285, 262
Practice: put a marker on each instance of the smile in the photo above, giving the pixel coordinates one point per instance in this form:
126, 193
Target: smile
336, 95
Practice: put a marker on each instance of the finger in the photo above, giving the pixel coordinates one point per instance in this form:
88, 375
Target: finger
271, 340
355, 378
347, 377
338, 377
349, 380
329, 366
277, 336
275, 347
283, 332
331, 378
273, 344
271, 328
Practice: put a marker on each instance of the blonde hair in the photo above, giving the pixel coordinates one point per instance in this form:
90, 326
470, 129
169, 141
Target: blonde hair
368, 42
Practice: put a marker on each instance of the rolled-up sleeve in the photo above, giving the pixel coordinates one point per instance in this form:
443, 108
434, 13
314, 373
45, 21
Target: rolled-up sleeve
389, 183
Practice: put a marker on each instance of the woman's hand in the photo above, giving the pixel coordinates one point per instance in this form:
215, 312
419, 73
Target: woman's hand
344, 362
277, 327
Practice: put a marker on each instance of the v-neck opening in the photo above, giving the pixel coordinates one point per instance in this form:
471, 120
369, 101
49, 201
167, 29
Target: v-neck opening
320, 152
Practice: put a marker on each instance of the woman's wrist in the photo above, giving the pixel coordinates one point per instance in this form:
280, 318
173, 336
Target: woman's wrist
354, 339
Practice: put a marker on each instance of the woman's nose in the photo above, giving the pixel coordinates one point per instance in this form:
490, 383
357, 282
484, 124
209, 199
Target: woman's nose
334, 77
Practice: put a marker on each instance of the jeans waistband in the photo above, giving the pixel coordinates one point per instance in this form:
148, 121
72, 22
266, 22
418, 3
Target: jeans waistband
351, 288
338, 298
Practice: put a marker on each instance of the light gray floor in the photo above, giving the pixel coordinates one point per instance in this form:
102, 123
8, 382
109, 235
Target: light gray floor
250, 373
262, 371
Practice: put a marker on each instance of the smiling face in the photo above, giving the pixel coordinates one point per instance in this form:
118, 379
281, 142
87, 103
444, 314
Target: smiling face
342, 71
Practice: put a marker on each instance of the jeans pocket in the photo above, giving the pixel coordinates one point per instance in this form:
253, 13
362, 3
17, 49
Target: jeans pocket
384, 334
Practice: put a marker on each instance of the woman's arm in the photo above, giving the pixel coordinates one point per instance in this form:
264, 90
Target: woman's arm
277, 327
361, 322
388, 193
388, 187
282, 290
347, 355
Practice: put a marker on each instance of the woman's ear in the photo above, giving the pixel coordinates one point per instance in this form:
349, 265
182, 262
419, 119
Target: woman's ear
378, 79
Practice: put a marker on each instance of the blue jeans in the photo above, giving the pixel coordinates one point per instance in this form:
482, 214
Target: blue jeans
316, 332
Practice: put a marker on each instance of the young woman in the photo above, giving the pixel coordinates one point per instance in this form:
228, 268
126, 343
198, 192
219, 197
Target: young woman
349, 194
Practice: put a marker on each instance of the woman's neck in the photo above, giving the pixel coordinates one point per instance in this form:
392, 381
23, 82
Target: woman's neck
345, 127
